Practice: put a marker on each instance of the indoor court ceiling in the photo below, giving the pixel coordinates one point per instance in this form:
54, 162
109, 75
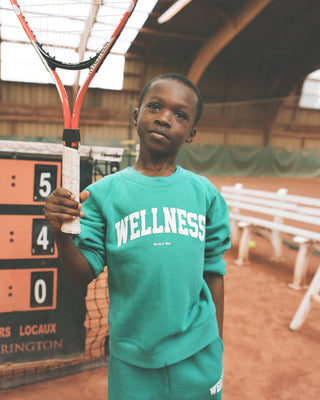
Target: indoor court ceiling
277, 37
261, 49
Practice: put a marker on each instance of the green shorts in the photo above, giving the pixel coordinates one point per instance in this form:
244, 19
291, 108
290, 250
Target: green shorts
198, 377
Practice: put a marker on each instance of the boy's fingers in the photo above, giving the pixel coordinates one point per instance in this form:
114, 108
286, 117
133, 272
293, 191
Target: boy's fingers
60, 203
61, 207
60, 191
60, 217
58, 198
84, 195
56, 219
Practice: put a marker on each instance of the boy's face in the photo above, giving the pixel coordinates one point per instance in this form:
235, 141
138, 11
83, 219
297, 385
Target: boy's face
166, 117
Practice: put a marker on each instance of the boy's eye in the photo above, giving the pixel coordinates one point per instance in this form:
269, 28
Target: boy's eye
154, 106
181, 115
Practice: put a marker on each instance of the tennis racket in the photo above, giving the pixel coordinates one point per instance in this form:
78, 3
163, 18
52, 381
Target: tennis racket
72, 35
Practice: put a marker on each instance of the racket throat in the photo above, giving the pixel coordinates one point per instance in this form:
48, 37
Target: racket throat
71, 138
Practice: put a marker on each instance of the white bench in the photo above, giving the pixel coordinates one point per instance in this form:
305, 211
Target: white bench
312, 294
271, 215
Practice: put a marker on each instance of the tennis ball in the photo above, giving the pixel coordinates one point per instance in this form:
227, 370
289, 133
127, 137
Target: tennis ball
252, 244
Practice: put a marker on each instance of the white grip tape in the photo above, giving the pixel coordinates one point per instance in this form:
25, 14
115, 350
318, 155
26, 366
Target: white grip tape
71, 181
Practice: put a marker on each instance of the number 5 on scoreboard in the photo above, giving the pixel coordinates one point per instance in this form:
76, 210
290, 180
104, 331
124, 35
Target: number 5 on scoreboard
45, 181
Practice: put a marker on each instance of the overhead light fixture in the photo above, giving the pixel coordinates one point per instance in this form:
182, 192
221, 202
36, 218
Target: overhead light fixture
173, 10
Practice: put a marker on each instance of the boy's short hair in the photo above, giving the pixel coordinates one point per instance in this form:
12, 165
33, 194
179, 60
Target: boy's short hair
180, 78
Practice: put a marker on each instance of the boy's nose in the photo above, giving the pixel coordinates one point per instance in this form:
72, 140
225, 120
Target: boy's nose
164, 117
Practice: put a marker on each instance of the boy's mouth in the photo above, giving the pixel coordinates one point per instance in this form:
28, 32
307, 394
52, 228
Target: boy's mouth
159, 133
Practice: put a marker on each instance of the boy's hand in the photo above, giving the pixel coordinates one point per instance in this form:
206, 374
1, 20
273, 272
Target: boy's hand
61, 206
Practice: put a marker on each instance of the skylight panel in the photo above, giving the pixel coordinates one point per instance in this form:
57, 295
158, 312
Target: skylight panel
315, 75
121, 47
310, 96
137, 20
12, 55
12, 34
8, 18
110, 75
129, 34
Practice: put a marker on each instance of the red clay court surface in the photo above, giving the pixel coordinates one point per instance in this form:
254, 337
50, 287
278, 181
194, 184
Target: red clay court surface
263, 359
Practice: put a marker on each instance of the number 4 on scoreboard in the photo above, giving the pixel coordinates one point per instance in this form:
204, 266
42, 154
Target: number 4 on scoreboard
42, 238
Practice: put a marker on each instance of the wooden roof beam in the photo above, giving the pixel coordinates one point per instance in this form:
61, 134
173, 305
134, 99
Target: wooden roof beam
223, 36
172, 35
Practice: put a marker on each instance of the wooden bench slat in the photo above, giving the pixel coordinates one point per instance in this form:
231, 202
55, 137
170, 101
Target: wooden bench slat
308, 201
252, 192
272, 203
311, 295
276, 212
272, 214
281, 227
257, 200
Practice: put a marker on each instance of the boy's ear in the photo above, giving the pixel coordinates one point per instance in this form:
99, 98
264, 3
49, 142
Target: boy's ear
135, 116
191, 136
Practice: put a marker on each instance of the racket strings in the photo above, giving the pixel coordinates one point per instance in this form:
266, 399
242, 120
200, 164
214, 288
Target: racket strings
72, 31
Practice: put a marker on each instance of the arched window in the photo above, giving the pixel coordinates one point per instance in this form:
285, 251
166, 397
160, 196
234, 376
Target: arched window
310, 96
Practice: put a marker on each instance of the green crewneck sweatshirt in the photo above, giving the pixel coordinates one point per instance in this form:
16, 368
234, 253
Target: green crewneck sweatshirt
157, 235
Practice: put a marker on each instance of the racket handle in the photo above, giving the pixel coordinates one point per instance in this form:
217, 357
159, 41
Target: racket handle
71, 181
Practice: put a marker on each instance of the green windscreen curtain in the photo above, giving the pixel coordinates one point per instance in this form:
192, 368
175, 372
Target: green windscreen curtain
250, 161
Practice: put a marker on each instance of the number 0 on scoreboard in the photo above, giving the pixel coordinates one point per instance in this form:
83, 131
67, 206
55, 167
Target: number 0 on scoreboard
28, 289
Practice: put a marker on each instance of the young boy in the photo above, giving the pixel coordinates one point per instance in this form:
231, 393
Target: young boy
162, 231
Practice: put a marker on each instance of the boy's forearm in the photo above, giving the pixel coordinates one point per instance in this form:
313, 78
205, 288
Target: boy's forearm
216, 285
72, 260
